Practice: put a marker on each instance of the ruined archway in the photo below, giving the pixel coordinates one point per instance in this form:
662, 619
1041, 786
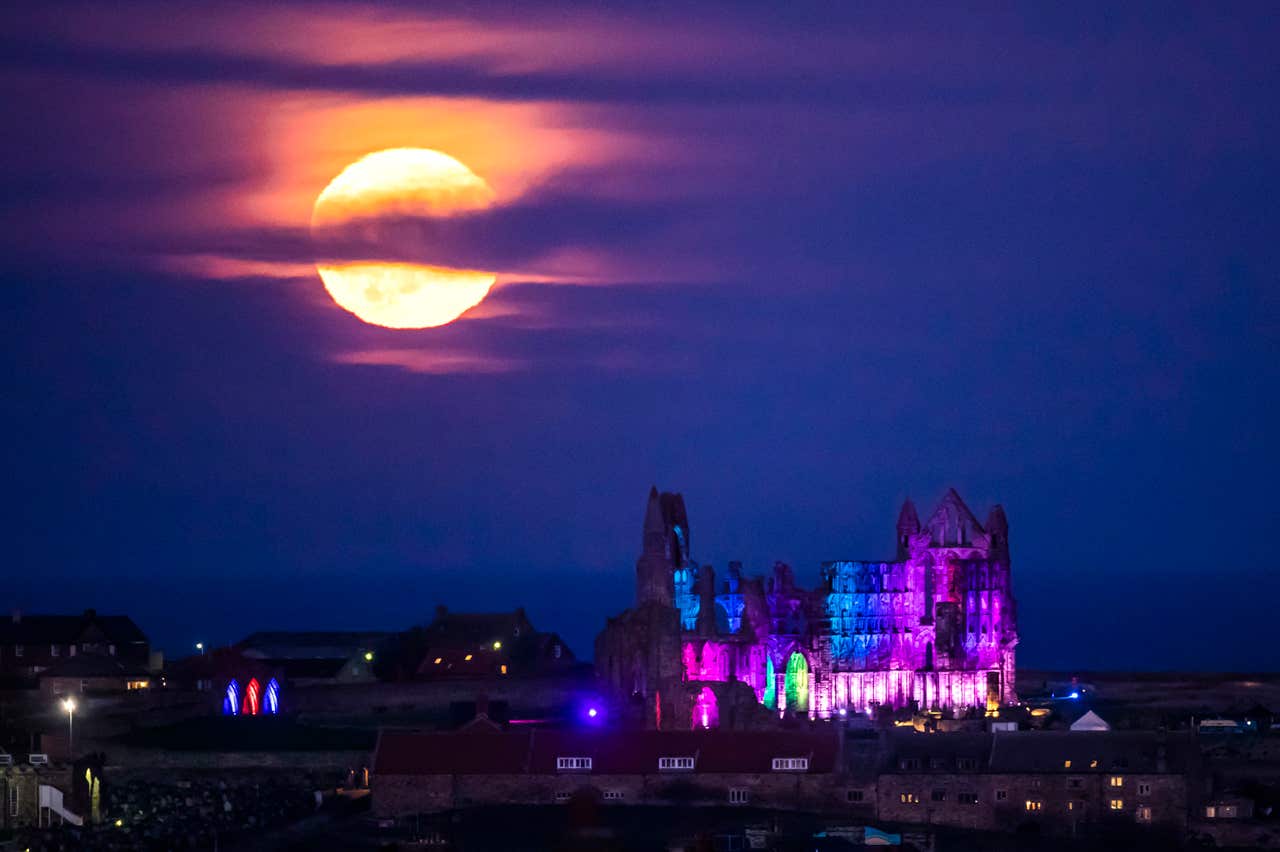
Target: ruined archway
797, 683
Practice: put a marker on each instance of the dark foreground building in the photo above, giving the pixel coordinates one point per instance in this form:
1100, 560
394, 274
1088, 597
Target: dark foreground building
1053, 782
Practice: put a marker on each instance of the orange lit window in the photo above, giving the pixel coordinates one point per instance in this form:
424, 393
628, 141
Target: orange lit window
504, 669
467, 658
1117, 804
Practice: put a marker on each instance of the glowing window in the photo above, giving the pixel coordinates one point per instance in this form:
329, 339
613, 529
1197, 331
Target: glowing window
439, 660
675, 763
1034, 805
909, 798
791, 764
797, 683
1066, 764
467, 658
252, 704
271, 700
738, 796
231, 700
504, 668
570, 763
1117, 781
1117, 804
1093, 764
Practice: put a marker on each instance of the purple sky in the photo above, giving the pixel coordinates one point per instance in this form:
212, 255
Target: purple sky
796, 263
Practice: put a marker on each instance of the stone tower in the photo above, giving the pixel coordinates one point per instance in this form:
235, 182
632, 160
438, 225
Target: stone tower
664, 551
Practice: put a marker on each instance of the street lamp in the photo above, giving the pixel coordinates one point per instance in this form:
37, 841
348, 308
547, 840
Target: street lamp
200, 648
69, 704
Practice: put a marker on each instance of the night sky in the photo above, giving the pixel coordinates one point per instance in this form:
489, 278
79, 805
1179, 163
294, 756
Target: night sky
796, 262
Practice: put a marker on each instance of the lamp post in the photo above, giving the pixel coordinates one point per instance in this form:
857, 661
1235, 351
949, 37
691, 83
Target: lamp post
200, 648
69, 705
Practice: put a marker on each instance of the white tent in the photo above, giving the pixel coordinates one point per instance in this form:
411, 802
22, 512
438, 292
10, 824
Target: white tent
1090, 721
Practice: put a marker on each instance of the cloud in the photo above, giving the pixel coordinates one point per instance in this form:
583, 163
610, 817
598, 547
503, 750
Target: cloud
428, 361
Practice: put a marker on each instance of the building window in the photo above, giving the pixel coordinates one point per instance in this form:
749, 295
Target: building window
17, 650
1075, 783
909, 763
555, 651
137, 684
938, 796
1034, 805
1144, 789
854, 796
1075, 806
966, 763
73, 651
791, 764
562, 796
111, 649
1116, 781
1093, 764
13, 798
1117, 804
937, 763
613, 795
54, 651
1035, 783
1227, 811
1210, 812
563, 763
909, 799
1143, 813
967, 798
1002, 795
676, 763
1066, 764
738, 796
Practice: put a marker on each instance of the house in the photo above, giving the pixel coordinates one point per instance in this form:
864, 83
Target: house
430, 772
90, 674
307, 658
29, 644
471, 644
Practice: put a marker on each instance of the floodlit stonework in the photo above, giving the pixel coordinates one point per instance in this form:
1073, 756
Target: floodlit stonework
935, 627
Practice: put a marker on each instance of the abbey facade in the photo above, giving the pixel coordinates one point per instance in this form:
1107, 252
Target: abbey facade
934, 628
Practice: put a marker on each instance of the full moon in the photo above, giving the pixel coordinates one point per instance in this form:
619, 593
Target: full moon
400, 183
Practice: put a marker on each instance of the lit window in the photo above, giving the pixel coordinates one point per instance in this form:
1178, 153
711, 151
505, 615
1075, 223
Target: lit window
1143, 813
1117, 804
467, 658
791, 764
1002, 795
1066, 764
675, 763
573, 763
1210, 812
1144, 789
854, 796
1093, 764
967, 798
504, 668
909, 799
1034, 805
1117, 781
439, 660
1075, 806
738, 796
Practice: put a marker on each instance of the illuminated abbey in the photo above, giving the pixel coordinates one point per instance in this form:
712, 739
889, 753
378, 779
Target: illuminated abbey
936, 627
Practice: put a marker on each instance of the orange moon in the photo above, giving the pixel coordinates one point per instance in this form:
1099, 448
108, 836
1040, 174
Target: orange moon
402, 183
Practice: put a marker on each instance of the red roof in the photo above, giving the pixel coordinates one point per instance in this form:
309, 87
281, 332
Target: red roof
611, 752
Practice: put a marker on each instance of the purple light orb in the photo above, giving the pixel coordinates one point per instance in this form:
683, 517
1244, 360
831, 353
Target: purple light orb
593, 712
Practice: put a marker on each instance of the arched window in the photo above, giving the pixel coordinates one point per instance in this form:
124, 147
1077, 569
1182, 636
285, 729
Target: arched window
252, 705
271, 701
797, 684
706, 712
231, 700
